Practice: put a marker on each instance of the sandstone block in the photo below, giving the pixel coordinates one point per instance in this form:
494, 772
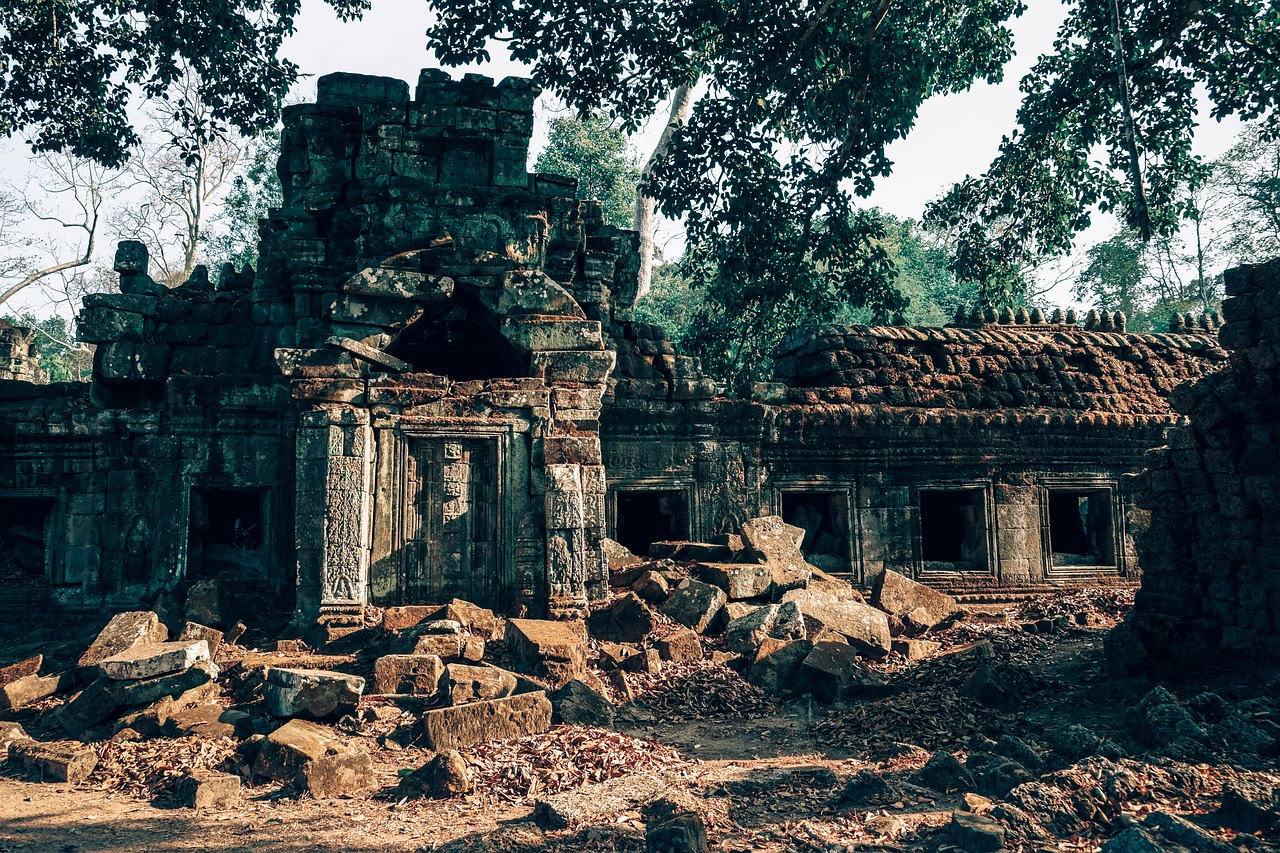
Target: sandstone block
464, 683
211, 721
414, 675
466, 725
555, 651
208, 789
142, 691
738, 580
695, 605
88, 707
626, 620
148, 660
976, 833
311, 693
55, 762
779, 621
864, 626
681, 833
339, 774
776, 662
443, 776
577, 704
196, 631
283, 753
899, 595
474, 619
206, 603
831, 672
399, 618
618, 556
680, 645
10, 733
123, 632
914, 650
24, 691
777, 544
652, 587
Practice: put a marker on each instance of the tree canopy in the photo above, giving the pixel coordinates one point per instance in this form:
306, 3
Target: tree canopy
68, 68
594, 153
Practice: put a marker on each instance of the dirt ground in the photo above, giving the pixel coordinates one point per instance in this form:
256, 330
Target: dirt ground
774, 779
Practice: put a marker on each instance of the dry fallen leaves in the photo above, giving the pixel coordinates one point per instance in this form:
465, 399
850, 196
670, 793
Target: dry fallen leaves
151, 768
698, 690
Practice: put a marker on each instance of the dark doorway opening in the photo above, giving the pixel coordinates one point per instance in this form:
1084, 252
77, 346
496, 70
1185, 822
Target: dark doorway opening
643, 518
227, 536
953, 529
23, 527
454, 341
1081, 532
824, 517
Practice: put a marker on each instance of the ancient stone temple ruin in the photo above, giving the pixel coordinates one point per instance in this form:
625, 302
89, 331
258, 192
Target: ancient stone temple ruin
433, 387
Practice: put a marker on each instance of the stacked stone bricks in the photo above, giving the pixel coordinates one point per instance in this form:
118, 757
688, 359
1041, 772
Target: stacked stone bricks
1211, 556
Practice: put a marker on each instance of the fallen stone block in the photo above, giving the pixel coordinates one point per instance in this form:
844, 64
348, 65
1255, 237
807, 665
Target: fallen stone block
614, 655
88, 707
943, 772
681, 833
339, 774
196, 631
174, 684
777, 621
578, 704
987, 687
443, 776
695, 605
645, 660
148, 660
282, 754
210, 721
626, 620
55, 762
474, 619
597, 803
206, 603
400, 618
651, 587
776, 544
554, 651
208, 789
832, 672
462, 683
867, 789
618, 556
914, 650
27, 690
865, 627
10, 733
21, 669
477, 722
311, 693
776, 662
738, 580
899, 595
413, 675
976, 833
681, 645
123, 632
440, 637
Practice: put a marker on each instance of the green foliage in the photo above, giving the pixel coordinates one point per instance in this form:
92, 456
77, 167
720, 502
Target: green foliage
60, 358
596, 154
1071, 153
68, 68
254, 190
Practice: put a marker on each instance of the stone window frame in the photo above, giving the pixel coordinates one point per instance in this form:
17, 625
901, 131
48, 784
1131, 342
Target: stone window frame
388, 491
823, 485
693, 517
987, 488
1082, 483
272, 519
54, 543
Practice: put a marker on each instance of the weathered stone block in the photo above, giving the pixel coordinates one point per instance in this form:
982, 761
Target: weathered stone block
680, 646
464, 683
339, 774
20, 669
284, 752
555, 651
779, 621
88, 707
578, 704
443, 776
24, 691
312, 693
738, 580
626, 620
776, 662
148, 660
208, 789
864, 626
415, 675
196, 631
465, 725
123, 632
695, 605
141, 691
59, 761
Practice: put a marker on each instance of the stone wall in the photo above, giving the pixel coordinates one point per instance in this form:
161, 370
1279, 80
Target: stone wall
18, 353
1211, 557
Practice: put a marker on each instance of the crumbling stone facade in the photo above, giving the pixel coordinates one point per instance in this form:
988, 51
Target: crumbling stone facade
426, 391
1211, 557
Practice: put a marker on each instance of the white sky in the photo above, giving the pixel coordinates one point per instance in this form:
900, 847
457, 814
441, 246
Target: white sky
954, 136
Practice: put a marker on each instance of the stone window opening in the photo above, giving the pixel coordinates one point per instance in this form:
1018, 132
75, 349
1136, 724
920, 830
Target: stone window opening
824, 517
453, 340
24, 523
227, 536
1080, 528
642, 517
953, 530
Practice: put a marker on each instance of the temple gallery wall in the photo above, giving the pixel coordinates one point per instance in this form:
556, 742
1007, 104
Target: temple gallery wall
428, 389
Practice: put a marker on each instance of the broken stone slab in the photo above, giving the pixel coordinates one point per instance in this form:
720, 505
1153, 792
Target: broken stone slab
494, 719
210, 721
28, 690
776, 662
645, 660
777, 544
578, 704
196, 631
652, 587
443, 776
208, 789
832, 672
142, 691
976, 833
597, 803
311, 693
283, 753
10, 733
58, 761
20, 669
915, 650
400, 618
614, 655
148, 660
866, 627
207, 604
618, 556
943, 772
440, 637
338, 774
413, 675
898, 595
778, 621
681, 833
625, 620
681, 645
463, 683
370, 354
695, 605
738, 580
123, 632
551, 650
89, 707
474, 619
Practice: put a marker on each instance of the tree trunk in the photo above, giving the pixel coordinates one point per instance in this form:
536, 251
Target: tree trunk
646, 207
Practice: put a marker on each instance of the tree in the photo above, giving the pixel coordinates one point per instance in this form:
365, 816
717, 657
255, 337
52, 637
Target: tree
254, 190
594, 153
68, 68
1107, 122
61, 358
1246, 182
